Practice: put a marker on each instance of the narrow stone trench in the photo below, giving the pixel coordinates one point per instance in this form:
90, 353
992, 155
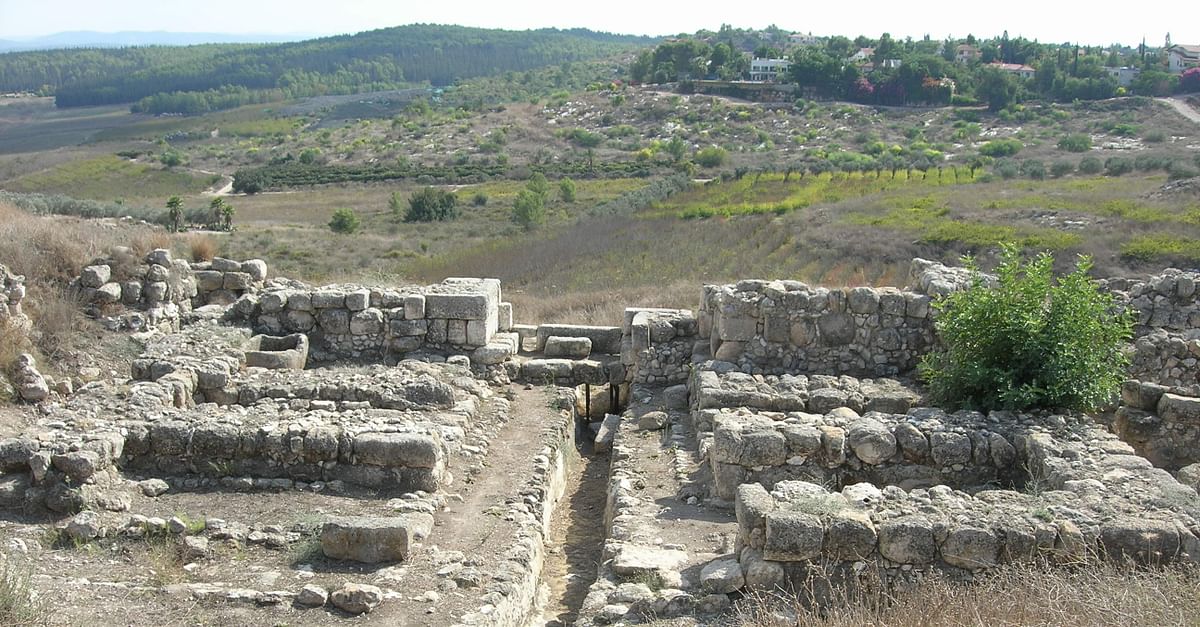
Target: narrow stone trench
576, 541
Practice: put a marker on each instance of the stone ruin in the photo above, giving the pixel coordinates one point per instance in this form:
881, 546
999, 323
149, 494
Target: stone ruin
785, 406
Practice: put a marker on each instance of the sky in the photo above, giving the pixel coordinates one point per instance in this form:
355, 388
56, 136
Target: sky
1097, 22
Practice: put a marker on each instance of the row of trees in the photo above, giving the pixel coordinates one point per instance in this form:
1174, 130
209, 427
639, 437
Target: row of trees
218, 216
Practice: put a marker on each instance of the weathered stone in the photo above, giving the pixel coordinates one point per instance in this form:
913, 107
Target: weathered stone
1179, 409
1143, 540
373, 540
793, 536
83, 527
95, 276
948, 448
568, 347
722, 576
971, 548
850, 536
652, 421
836, 328
397, 449
312, 595
907, 541
354, 598
632, 560
871, 441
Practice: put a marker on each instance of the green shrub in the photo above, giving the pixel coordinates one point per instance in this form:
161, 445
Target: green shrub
1007, 169
1061, 168
711, 156
529, 210
1028, 341
430, 205
1154, 137
1116, 166
344, 221
480, 199
1034, 169
1090, 165
1076, 142
1001, 148
566, 190
1179, 170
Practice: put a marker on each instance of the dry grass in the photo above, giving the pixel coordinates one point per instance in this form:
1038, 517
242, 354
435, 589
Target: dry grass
1101, 593
601, 307
202, 247
19, 605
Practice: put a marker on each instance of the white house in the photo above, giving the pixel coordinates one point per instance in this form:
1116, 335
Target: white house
1181, 58
768, 70
1123, 75
965, 53
1022, 71
801, 39
864, 55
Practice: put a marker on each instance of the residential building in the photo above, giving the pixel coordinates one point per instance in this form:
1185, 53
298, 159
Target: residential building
966, 53
864, 55
1123, 75
1181, 58
1022, 71
768, 70
801, 39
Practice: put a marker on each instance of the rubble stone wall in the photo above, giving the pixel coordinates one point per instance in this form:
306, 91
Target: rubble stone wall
775, 327
657, 345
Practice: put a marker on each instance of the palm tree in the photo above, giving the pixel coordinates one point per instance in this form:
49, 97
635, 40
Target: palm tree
175, 213
216, 210
227, 212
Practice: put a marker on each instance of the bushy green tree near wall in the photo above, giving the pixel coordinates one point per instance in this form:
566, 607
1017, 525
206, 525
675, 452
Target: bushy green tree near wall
344, 221
1030, 341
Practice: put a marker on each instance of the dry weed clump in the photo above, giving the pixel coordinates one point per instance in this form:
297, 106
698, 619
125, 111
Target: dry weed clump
1089, 594
202, 247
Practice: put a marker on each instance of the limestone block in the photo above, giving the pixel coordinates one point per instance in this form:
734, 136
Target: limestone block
414, 306
366, 322
461, 306
398, 450
604, 339
1143, 540
328, 299
237, 281
334, 321
760, 573
131, 292
95, 276
863, 300
358, 300
159, 257
913, 443
209, 280
221, 264
296, 320
108, 293
437, 331
273, 302
589, 371
948, 448
155, 292
312, 595
480, 332
256, 268
741, 329
492, 354
504, 312
546, 370
917, 306
356, 599
606, 433
729, 351
851, 536
300, 301
1179, 409
907, 541
159, 273
871, 441
456, 332
892, 301
722, 576
568, 347
409, 328
632, 560
78, 465
793, 536
971, 548
373, 539
752, 505
836, 328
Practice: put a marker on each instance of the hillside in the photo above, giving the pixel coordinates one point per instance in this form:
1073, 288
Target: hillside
380, 59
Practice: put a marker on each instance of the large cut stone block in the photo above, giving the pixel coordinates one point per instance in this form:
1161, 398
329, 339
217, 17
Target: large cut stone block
373, 539
793, 536
398, 449
463, 299
604, 339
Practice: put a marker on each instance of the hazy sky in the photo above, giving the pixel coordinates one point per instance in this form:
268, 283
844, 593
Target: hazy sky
1094, 22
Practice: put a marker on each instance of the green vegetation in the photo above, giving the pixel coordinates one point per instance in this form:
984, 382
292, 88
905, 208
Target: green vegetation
711, 156
1001, 148
1162, 247
110, 177
1076, 142
566, 190
1029, 341
428, 205
344, 221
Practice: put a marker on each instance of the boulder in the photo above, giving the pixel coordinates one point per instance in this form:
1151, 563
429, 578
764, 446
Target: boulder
373, 539
356, 599
722, 576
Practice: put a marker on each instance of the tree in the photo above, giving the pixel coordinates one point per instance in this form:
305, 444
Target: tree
711, 156
677, 148
227, 213
215, 210
566, 190
344, 221
539, 185
1189, 81
1028, 340
529, 210
428, 205
175, 213
998, 88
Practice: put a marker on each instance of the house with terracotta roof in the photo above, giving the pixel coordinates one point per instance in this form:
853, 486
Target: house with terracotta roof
1181, 58
1022, 71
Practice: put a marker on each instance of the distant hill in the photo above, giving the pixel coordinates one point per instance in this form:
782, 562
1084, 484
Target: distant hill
381, 59
94, 39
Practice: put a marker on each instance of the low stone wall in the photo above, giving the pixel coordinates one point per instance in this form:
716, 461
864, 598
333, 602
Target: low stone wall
222, 281
1161, 423
143, 293
921, 449
1095, 498
12, 292
657, 345
773, 327
354, 322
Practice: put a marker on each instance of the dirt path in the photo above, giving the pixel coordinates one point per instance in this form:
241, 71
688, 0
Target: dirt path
573, 550
1183, 108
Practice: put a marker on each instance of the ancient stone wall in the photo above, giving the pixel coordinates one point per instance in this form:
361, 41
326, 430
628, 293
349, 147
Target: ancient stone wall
776, 327
657, 345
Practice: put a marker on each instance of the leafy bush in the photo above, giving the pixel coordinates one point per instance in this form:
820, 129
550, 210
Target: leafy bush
430, 205
711, 156
529, 210
1007, 169
1028, 341
1154, 137
344, 221
1090, 165
1001, 148
566, 190
1061, 168
1116, 166
1034, 169
480, 199
1179, 170
1076, 142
